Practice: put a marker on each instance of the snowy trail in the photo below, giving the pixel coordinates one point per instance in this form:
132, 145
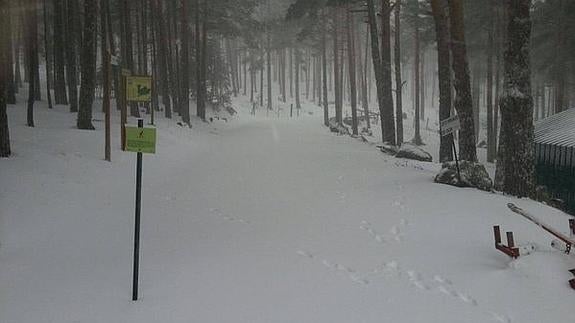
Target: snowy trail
264, 220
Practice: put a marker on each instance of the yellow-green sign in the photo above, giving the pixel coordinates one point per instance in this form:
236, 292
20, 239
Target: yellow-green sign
138, 88
141, 140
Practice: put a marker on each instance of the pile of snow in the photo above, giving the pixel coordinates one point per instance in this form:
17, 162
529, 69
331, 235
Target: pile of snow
410, 151
473, 174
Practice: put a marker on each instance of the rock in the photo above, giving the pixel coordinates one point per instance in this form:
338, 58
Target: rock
388, 149
337, 128
410, 151
473, 174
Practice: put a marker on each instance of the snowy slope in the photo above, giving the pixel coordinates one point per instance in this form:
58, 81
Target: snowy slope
262, 219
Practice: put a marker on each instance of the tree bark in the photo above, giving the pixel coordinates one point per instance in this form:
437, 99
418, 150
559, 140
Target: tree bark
336, 67
32, 55
387, 115
377, 62
88, 85
351, 68
185, 65
491, 150
463, 100
71, 40
60, 96
398, 80
417, 81
47, 54
5, 150
517, 104
324, 71
439, 8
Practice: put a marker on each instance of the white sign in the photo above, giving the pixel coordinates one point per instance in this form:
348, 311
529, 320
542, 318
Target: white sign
450, 125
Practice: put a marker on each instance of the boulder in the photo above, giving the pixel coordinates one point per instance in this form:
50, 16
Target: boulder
337, 128
410, 151
473, 174
388, 149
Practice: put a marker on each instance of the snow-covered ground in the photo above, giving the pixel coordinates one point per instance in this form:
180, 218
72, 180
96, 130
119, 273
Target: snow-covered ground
259, 219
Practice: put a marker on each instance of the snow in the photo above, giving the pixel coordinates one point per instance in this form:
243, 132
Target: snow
259, 219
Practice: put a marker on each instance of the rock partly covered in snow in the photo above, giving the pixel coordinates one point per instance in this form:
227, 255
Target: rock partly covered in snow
337, 128
473, 174
388, 149
410, 151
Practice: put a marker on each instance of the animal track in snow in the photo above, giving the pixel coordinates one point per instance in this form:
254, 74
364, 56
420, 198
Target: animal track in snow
394, 234
500, 318
218, 213
348, 272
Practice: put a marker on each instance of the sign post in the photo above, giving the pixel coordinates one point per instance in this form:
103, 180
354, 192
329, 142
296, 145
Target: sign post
140, 140
448, 127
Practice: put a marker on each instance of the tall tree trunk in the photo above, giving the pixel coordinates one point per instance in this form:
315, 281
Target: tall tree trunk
560, 68
517, 105
377, 63
324, 71
201, 103
185, 65
351, 68
71, 39
417, 75
297, 78
164, 68
5, 15
88, 66
491, 150
11, 86
60, 96
387, 114
32, 55
269, 68
398, 80
47, 54
463, 100
336, 68
439, 8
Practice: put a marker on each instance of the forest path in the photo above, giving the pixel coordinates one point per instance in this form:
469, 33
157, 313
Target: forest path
257, 220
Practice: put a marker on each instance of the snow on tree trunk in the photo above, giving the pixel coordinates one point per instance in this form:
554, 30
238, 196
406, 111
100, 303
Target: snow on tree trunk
517, 105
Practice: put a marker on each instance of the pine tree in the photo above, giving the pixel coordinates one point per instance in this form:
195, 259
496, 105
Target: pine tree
463, 101
517, 158
439, 8
4, 67
88, 65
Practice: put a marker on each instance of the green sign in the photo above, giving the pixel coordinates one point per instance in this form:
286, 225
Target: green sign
141, 140
139, 88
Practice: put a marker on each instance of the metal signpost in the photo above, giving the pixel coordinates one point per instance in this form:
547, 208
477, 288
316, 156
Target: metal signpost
447, 127
141, 141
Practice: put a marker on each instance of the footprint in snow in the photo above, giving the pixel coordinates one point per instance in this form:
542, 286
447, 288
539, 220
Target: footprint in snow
467, 299
442, 280
500, 318
447, 292
358, 280
305, 254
